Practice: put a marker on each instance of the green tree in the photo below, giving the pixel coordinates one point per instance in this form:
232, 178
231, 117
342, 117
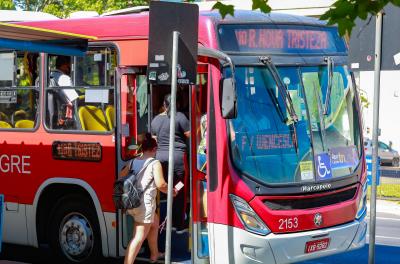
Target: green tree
342, 12
6, 5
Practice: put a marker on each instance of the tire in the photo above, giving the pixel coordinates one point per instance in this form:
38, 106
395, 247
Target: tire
395, 162
74, 231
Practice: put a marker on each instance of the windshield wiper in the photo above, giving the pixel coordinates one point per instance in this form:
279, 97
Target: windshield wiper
330, 63
284, 92
322, 126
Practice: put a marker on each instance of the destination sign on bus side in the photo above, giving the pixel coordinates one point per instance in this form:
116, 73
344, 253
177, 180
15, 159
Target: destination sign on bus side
77, 151
285, 39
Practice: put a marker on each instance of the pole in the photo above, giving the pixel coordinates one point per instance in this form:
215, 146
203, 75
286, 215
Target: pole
171, 145
375, 134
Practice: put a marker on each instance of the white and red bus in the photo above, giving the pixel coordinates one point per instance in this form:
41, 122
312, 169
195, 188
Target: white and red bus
279, 179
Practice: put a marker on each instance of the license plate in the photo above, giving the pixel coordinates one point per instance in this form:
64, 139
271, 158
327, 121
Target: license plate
317, 245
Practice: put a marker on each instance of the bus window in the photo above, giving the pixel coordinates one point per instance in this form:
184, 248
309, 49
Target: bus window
7, 69
18, 90
80, 92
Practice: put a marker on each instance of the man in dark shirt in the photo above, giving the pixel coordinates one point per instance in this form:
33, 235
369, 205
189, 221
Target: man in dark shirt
160, 128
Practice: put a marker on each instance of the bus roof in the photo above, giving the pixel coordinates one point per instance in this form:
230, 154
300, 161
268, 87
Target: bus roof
136, 25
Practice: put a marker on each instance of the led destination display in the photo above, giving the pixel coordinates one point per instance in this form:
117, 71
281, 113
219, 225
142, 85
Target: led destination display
283, 39
77, 151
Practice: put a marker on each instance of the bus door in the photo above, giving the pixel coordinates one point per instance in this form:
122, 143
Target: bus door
180, 238
198, 166
132, 124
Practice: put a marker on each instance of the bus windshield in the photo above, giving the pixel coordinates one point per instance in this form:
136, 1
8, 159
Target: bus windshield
267, 148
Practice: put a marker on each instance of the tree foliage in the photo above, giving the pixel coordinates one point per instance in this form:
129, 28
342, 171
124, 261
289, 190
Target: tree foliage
6, 5
63, 8
343, 13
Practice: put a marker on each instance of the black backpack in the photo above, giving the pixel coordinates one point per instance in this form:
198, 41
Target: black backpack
126, 194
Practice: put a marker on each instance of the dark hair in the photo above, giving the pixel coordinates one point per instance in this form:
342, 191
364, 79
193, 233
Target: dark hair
61, 60
167, 104
148, 143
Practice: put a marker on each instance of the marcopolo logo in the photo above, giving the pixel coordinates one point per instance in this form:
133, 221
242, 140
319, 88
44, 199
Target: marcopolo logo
318, 219
316, 187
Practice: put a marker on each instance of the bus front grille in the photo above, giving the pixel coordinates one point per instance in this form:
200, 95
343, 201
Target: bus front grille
309, 203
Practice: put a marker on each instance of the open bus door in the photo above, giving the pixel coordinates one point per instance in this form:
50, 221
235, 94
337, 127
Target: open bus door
198, 166
132, 120
135, 106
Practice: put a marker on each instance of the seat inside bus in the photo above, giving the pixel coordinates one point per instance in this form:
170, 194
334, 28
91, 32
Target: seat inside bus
24, 123
4, 124
92, 118
110, 112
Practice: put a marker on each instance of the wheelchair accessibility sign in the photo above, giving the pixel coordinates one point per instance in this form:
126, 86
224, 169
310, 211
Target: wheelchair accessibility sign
323, 166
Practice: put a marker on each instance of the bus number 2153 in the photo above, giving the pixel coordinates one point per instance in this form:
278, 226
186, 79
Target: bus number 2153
288, 223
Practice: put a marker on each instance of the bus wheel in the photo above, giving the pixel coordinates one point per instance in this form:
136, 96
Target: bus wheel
74, 231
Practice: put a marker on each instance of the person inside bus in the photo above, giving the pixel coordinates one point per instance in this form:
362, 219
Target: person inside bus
60, 101
160, 130
146, 220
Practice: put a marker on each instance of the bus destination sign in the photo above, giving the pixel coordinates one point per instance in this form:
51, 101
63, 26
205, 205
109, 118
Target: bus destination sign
285, 39
77, 151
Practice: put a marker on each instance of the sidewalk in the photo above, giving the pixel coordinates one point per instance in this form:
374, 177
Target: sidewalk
384, 206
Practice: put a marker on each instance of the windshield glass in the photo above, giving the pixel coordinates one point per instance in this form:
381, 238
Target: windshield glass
336, 133
264, 145
271, 150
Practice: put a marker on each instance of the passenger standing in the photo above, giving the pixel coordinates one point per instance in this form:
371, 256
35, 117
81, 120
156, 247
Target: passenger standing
150, 177
160, 128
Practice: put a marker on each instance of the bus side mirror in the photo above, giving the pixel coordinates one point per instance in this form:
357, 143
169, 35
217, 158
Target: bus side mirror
228, 99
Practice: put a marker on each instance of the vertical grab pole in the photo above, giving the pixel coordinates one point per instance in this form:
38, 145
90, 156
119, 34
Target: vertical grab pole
375, 134
171, 145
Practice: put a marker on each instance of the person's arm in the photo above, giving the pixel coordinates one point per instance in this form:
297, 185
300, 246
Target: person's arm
161, 184
187, 134
159, 177
154, 123
66, 81
185, 124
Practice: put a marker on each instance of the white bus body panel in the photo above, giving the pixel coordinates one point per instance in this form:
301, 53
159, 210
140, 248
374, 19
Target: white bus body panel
238, 246
15, 226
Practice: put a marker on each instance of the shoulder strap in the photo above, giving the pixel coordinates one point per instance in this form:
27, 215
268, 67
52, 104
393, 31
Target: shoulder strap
144, 167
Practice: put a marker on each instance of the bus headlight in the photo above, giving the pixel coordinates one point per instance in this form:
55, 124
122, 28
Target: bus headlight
362, 205
250, 220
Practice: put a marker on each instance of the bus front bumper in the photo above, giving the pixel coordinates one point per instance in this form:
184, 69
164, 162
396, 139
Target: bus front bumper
289, 248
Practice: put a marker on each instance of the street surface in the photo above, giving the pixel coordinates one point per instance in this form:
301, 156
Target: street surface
387, 241
387, 245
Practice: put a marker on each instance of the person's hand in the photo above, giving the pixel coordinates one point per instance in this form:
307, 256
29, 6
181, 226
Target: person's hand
174, 192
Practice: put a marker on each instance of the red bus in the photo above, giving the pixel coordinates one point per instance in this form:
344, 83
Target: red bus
279, 179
